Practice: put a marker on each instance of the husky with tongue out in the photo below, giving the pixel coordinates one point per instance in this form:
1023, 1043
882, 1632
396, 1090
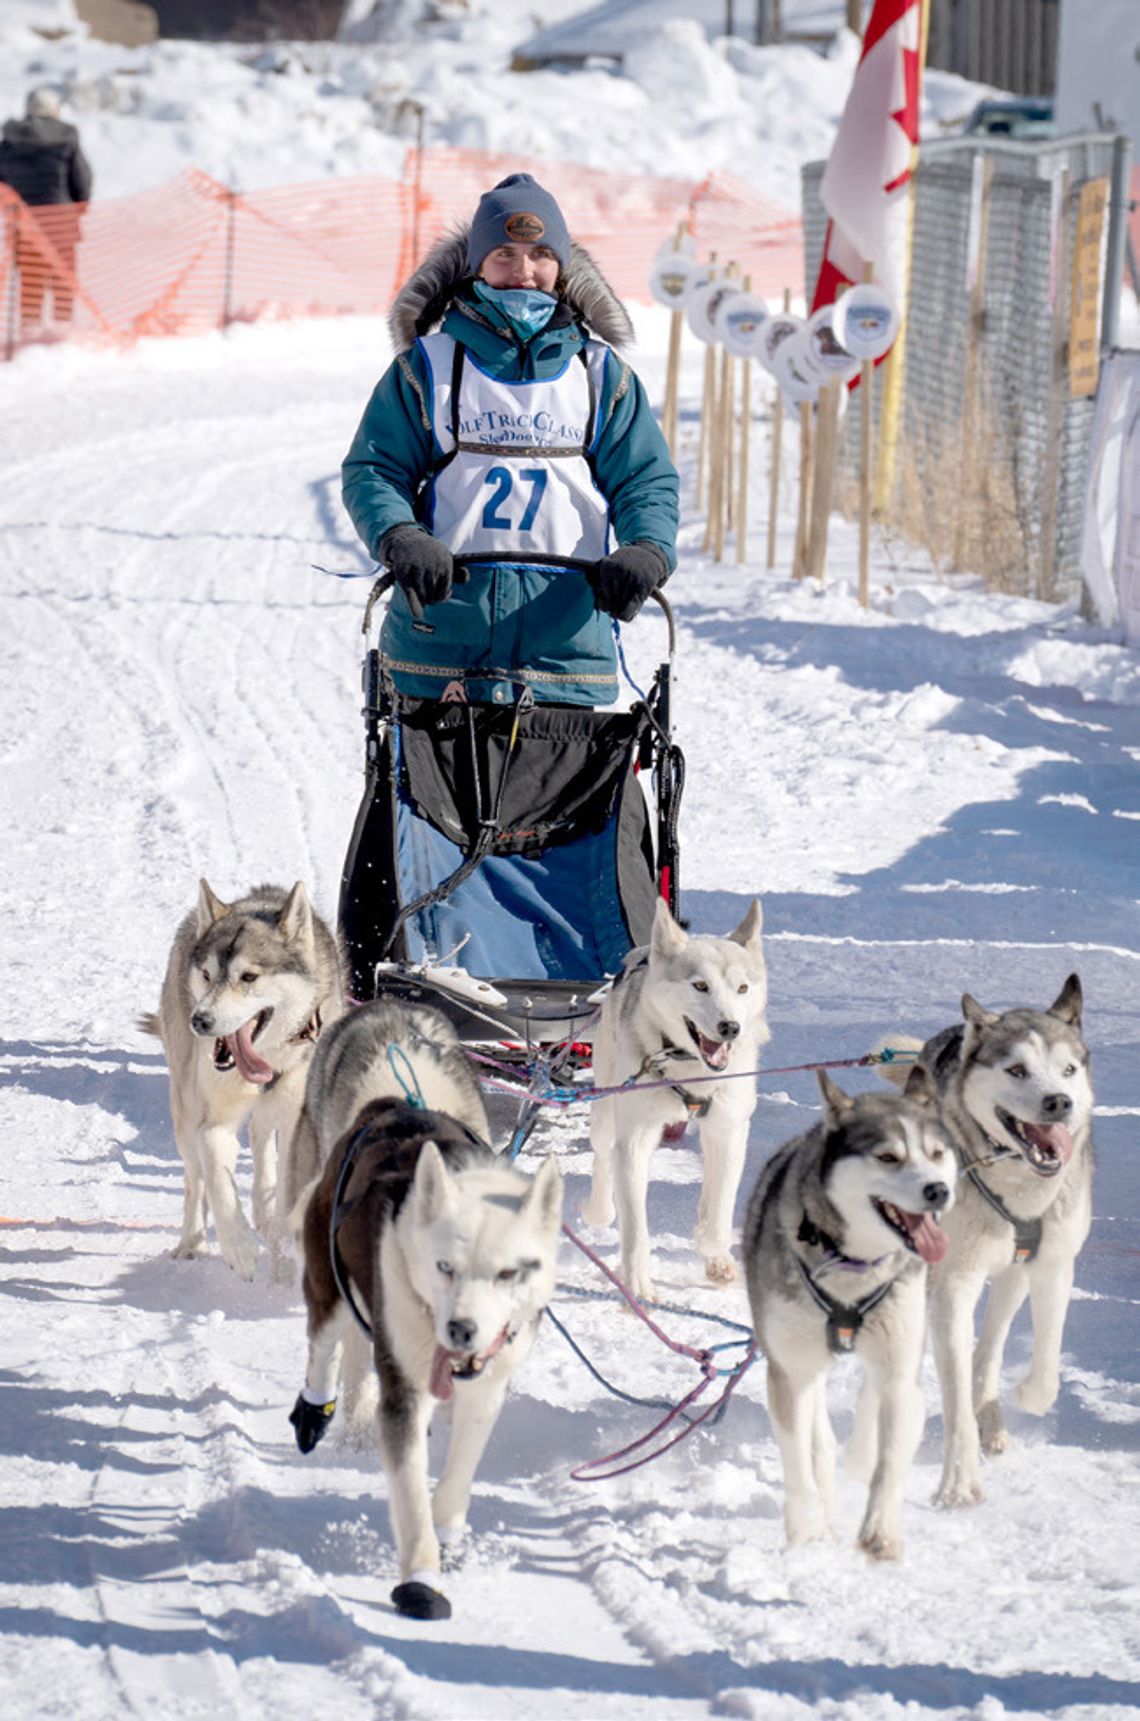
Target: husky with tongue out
1016, 1100
840, 1229
682, 1029
428, 1263
249, 987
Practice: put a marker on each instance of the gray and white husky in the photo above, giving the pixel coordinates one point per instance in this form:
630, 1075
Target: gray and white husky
838, 1233
1016, 1101
682, 1008
249, 987
414, 1230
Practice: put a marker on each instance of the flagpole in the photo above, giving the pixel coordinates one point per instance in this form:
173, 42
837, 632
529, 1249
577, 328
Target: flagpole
866, 384
894, 365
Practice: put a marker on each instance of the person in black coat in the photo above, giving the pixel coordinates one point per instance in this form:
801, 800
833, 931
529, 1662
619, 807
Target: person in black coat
40, 159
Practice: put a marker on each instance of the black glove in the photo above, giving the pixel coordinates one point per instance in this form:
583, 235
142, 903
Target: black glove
423, 566
624, 579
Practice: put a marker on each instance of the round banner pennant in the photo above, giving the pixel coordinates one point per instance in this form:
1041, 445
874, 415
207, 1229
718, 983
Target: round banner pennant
740, 322
825, 354
865, 321
672, 278
684, 245
777, 330
793, 370
703, 305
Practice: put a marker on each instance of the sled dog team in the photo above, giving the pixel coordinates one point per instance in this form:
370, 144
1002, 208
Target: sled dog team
428, 1260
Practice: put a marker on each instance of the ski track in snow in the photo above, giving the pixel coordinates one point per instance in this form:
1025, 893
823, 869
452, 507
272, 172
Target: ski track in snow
925, 806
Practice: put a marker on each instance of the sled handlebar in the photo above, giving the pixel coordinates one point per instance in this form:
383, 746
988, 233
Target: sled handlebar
387, 580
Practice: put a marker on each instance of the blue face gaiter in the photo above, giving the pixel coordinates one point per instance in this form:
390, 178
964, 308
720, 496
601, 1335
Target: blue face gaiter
525, 308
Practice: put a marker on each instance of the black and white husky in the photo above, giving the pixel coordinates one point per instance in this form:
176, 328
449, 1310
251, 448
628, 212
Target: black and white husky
1016, 1101
839, 1230
418, 1236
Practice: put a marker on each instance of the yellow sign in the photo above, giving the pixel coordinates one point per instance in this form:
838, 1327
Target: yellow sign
1084, 307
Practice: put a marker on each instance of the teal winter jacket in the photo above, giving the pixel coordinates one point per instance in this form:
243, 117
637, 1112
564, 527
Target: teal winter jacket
510, 624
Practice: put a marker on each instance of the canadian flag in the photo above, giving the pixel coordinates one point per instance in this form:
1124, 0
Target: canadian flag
866, 180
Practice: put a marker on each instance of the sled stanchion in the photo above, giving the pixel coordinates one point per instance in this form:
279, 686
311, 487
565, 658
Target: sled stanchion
668, 773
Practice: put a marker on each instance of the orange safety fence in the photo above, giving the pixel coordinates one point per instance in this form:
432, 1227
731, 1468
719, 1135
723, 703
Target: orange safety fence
192, 256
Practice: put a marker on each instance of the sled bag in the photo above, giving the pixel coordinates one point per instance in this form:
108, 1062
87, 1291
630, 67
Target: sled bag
567, 885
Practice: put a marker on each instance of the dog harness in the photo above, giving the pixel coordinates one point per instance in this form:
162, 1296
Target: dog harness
697, 1105
844, 1320
342, 1208
1026, 1232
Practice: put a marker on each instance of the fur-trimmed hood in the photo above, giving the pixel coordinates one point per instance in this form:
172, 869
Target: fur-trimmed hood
424, 298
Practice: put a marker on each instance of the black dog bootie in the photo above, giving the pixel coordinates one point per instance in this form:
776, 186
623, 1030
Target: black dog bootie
310, 1421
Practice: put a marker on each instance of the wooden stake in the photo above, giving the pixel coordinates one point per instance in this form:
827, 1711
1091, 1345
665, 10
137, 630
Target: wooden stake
799, 558
673, 365
672, 383
777, 451
708, 414
726, 402
742, 482
708, 399
823, 478
717, 454
712, 449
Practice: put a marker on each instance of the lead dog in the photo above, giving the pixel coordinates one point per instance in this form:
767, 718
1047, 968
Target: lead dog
838, 1232
681, 1009
415, 1231
1016, 1100
249, 986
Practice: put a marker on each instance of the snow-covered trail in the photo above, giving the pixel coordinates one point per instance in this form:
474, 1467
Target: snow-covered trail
936, 796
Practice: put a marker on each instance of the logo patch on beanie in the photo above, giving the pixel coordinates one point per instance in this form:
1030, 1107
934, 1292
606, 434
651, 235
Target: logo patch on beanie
524, 228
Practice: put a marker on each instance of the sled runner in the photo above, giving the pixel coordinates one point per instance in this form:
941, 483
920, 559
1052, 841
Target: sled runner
505, 858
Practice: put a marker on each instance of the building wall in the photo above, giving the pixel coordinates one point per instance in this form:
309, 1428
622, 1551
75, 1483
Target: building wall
249, 20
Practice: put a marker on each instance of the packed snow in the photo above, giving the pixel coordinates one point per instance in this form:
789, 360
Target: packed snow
936, 794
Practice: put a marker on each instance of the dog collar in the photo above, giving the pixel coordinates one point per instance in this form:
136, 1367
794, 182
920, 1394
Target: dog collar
653, 1063
1000, 1150
811, 1234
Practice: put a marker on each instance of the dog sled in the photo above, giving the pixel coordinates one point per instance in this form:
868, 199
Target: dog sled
506, 858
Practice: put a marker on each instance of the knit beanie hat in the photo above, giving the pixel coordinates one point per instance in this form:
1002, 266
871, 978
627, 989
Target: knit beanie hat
517, 212
42, 104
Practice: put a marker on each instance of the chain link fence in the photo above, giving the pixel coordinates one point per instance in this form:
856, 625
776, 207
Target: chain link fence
992, 451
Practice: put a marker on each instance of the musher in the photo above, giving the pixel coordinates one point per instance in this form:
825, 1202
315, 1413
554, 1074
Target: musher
518, 444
